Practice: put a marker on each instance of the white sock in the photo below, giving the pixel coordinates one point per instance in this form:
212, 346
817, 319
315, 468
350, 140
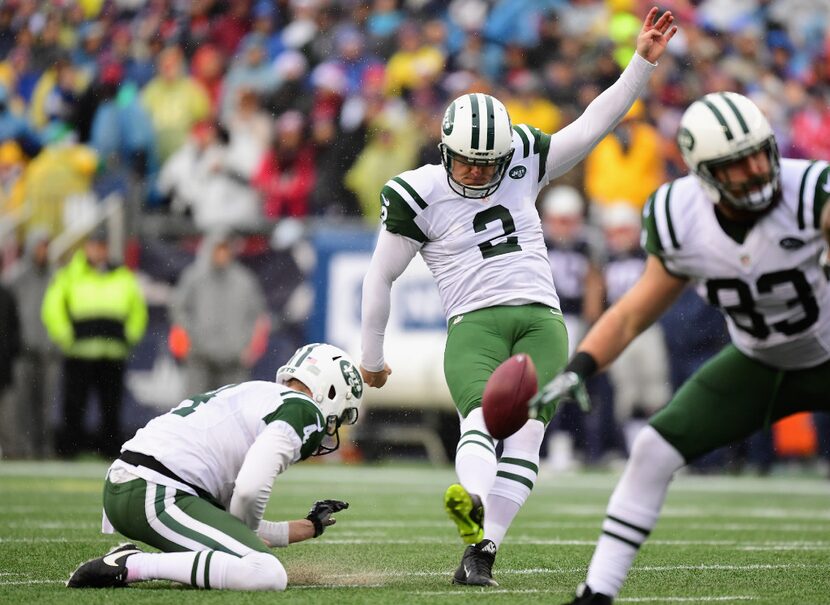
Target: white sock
210, 569
475, 457
516, 476
633, 510
499, 513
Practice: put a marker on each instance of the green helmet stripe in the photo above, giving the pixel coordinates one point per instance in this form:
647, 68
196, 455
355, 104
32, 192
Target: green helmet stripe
737, 113
491, 122
299, 356
475, 115
726, 130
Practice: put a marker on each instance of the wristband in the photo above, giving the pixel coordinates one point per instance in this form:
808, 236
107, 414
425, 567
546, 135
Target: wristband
275, 533
583, 365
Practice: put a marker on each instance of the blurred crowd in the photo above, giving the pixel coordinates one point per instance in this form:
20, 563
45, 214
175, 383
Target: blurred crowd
229, 113
238, 115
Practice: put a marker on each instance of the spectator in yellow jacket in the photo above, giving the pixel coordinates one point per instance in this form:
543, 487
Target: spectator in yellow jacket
529, 105
627, 164
175, 102
95, 312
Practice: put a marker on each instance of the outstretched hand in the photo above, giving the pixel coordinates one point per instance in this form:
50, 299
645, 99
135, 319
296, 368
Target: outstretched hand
321, 513
653, 38
564, 386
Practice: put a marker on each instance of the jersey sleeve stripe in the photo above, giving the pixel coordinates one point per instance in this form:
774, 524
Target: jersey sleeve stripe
822, 192
674, 241
544, 148
807, 184
651, 235
525, 141
401, 213
412, 193
663, 218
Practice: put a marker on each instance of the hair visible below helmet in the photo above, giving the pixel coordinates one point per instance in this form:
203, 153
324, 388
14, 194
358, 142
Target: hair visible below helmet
724, 127
331, 376
476, 130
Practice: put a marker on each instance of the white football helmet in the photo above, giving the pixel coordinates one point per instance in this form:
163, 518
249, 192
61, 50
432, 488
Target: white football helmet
476, 130
723, 127
331, 376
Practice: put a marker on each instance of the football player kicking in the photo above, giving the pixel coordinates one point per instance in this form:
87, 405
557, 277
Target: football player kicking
194, 482
748, 229
475, 223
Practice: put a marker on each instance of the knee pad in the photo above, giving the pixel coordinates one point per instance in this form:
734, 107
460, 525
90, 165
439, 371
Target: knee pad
262, 571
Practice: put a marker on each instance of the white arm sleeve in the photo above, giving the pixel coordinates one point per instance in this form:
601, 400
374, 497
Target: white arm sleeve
392, 255
570, 145
273, 451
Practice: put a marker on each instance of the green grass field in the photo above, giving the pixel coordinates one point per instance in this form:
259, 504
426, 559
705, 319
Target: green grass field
721, 539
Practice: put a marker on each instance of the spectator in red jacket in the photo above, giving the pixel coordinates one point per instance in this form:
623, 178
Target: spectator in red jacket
286, 176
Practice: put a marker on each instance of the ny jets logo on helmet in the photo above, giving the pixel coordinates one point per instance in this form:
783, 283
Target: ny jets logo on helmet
331, 376
476, 131
723, 128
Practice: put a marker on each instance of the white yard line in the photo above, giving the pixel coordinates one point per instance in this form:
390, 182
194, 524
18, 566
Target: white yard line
501, 591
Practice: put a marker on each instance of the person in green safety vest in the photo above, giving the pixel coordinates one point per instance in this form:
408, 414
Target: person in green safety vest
95, 312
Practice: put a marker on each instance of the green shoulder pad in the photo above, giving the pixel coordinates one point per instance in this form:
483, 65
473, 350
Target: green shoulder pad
397, 215
537, 143
299, 412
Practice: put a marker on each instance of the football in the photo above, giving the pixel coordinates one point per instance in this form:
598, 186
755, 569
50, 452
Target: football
506, 393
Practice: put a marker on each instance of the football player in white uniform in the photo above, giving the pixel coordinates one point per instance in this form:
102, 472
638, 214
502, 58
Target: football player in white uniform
474, 221
194, 482
750, 230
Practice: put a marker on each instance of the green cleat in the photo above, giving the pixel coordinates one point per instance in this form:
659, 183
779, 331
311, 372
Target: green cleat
467, 511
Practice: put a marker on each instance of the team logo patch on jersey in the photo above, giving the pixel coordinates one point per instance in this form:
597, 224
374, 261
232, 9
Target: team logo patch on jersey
791, 243
517, 172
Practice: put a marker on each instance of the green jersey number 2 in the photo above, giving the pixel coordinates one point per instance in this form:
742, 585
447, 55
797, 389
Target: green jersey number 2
491, 215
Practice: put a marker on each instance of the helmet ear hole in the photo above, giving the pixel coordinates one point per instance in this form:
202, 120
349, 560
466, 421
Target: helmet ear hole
332, 392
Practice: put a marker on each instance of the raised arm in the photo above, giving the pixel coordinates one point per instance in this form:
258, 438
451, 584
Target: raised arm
570, 145
392, 255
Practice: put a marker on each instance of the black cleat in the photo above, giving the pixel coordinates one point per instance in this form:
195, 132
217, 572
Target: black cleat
586, 596
109, 571
476, 567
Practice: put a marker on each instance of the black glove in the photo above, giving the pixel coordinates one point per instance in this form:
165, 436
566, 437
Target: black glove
321, 512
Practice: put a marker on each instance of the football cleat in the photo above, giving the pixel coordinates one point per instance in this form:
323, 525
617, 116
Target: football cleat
109, 571
586, 596
476, 567
467, 511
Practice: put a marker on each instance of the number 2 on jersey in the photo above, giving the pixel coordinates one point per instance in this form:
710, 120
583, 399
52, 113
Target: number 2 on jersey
510, 244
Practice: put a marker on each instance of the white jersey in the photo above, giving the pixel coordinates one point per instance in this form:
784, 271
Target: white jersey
204, 440
481, 252
770, 286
